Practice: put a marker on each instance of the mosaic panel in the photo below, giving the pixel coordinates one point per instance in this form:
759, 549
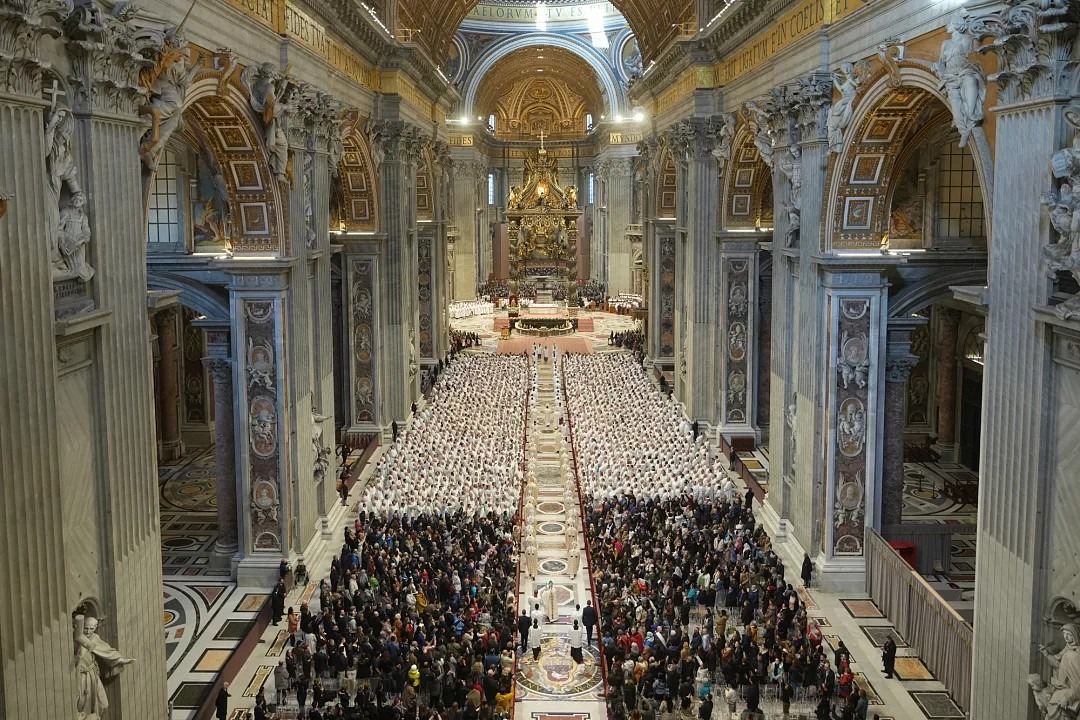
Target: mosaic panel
737, 282
263, 378
852, 327
363, 317
425, 295
556, 673
937, 705
246, 175
667, 297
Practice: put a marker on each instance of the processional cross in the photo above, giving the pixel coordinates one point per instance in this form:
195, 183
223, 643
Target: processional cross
541, 138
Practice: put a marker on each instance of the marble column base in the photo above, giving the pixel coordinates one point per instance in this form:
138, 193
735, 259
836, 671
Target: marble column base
226, 548
258, 570
839, 574
171, 450
947, 451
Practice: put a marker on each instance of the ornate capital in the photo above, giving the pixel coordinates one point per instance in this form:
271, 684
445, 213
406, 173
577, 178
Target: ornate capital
220, 369
22, 24
699, 139
1033, 41
109, 54
396, 141
811, 98
897, 369
770, 121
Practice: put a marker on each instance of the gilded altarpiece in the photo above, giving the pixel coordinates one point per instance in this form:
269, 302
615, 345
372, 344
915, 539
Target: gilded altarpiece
542, 217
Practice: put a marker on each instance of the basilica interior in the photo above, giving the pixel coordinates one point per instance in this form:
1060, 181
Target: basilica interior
831, 245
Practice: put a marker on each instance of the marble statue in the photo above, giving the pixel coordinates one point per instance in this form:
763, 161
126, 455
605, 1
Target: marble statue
322, 450
726, 133
73, 237
168, 81
95, 661
961, 77
414, 366
847, 80
791, 418
1059, 699
762, 140
1064, 208
269, 96
794, 224
791, 166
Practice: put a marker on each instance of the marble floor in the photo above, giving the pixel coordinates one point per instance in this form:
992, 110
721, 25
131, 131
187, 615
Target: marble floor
603, 325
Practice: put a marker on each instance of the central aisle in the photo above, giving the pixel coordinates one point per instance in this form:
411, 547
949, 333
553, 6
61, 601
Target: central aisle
554, 548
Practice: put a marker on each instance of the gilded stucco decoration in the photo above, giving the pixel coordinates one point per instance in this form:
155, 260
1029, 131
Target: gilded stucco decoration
748, 187
540, 89
354, 190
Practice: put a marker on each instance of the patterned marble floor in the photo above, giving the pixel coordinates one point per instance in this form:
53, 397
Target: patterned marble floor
603, 325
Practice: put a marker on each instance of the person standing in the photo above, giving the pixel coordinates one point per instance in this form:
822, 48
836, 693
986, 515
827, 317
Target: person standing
588, 619
222, 702
534, 639
277, 602
524, 623
807, 570
787, 692
888, 656
577, 640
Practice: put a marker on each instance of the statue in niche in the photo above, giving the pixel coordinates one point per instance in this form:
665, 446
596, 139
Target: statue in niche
414, 366
67, 199
961, 77
792, 420
846, 80
631, 60
95, 661
791, 166
1064, 207
168, 81
1059, 699
74, 236
269, 96
322, 450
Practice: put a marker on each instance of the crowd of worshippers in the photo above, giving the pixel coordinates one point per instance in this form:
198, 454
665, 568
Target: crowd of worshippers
590, 291
414, 622
633, 340
460, 340
558, 292
707, 611
493, 289
463, 449
629, 438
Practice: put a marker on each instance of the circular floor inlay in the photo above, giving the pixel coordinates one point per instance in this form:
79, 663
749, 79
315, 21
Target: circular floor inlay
176, 543
556, 673
550, 508
552, 528
553, 566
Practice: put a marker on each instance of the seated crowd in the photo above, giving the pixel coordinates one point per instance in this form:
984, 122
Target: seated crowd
460, 340
692, 598
463, 449
591, 291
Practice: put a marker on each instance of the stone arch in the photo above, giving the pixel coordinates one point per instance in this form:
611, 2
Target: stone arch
425, 187
198, 296
611, 86
217, 105
355, 189
933, 289
747, 191
878, 140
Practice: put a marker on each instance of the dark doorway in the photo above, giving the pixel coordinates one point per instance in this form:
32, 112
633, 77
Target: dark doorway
970, 418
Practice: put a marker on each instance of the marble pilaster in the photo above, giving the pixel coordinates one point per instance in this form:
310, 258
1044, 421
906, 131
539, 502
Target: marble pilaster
37, 677
265, 488
1034, 44
737, 349
108, 53
221, 372
899, 362
946, 339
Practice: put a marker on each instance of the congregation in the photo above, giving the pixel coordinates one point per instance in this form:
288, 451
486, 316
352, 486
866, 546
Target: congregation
462, 451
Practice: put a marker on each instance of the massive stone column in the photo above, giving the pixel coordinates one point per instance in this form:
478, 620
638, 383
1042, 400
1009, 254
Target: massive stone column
948, 322
899, 363
619, 192
168, 390
692, 143
398, 147
1013, 572
221, 372
37, 678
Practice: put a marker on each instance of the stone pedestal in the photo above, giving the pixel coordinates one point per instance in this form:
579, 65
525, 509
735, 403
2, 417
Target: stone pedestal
221, 372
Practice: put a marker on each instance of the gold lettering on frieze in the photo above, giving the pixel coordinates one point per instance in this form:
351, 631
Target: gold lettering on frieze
302, 27
552, 152
268, 12
461, 140
619, 138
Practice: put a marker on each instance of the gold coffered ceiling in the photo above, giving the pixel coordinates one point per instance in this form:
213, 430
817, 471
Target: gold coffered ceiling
654, 22
540, 88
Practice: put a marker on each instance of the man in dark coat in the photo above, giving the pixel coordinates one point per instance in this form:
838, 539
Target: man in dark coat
888, 656
277, 602
589, 620
222, 702
807, 570
524, 623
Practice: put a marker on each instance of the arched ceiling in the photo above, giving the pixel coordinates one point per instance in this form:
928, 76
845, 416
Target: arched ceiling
654, 22
540, 84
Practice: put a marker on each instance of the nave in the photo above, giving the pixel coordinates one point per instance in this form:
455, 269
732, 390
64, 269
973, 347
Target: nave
636, 565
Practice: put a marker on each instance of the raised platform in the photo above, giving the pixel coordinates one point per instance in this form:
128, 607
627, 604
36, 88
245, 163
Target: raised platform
518, 345
584, 324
